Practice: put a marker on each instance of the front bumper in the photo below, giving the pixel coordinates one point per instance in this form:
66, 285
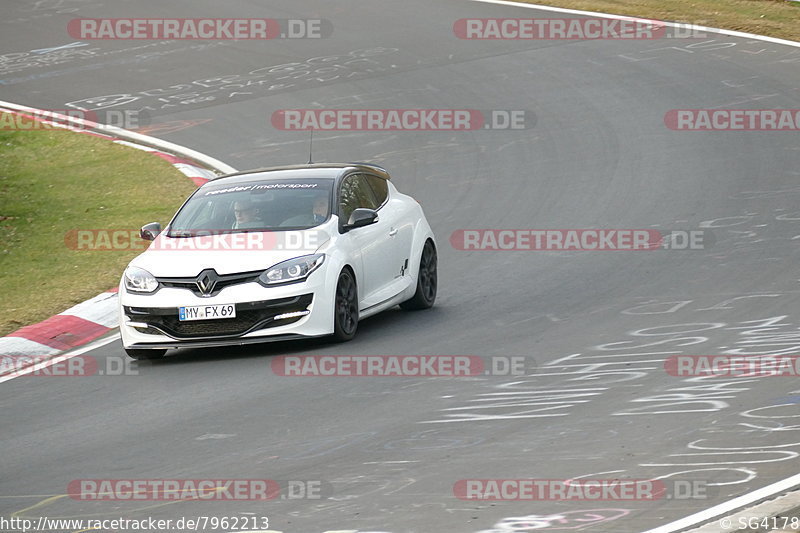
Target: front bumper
250, 316
262, 314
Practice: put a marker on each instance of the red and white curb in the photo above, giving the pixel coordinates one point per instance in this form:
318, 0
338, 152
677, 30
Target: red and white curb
95, 317
74, 327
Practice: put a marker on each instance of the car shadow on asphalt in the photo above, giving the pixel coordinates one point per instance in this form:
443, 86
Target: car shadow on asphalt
372, 331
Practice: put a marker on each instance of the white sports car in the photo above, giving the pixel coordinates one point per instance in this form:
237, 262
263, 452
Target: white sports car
274, 254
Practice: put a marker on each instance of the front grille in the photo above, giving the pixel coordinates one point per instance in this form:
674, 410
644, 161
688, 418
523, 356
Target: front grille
224, 280
250, 316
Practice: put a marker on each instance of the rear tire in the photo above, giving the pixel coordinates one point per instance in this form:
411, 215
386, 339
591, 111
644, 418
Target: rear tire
427, 281
345, 311
144, 355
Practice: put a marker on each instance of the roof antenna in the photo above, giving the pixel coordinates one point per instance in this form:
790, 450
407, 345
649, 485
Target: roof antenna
310, 145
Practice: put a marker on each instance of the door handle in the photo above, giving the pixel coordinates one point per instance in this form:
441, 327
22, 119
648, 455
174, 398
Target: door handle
393, 232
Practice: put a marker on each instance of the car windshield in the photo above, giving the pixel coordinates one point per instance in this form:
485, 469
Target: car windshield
265, 205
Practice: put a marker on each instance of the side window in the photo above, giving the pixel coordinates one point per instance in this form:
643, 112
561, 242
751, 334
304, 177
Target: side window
379, 187
355, 193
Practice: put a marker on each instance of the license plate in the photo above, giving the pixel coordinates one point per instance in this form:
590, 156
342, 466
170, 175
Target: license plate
206, 312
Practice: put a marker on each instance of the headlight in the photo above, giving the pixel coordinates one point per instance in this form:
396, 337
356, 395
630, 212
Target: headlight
139, 280
291, 271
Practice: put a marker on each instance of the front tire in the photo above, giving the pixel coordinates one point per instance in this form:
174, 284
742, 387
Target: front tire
427, 281
345, 313
144, 355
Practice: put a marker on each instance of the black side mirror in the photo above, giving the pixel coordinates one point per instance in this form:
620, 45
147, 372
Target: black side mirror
361, 217
150, 231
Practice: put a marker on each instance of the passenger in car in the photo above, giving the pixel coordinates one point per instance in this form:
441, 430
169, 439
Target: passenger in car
318, 214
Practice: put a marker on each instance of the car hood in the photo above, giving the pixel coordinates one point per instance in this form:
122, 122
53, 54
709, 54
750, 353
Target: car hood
227, 253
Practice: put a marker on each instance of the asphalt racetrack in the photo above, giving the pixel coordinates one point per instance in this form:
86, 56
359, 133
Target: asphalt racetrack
594, 327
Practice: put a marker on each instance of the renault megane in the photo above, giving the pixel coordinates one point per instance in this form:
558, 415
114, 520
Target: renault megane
278, 253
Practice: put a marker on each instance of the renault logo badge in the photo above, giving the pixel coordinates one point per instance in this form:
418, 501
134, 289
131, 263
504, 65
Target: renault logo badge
206, 281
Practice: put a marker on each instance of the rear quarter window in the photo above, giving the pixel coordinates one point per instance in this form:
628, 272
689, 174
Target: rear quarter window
379, 187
